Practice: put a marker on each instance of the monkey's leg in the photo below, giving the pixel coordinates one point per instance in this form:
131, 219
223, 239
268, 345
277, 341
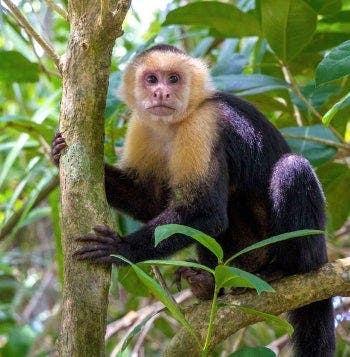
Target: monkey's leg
200, 281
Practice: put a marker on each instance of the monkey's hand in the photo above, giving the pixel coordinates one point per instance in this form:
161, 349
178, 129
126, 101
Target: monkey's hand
58, 143
101, 245
200, 281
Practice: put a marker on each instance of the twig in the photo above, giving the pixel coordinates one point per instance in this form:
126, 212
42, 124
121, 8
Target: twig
22, 21
318, 140
162, 282
289, 79
135, 351
130, 318
53, 6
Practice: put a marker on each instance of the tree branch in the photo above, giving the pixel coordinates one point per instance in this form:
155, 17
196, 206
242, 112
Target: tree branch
22, 21
53, 6
290, 293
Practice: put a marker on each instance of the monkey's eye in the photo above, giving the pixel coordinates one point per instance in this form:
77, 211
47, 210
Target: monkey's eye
174, 78
152, 79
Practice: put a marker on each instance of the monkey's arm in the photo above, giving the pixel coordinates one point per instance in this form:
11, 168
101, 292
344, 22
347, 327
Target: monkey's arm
134, 198
203, 206
122, 191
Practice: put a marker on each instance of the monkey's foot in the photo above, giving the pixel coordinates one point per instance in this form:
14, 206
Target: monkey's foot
102, 244
58, 143
200, 281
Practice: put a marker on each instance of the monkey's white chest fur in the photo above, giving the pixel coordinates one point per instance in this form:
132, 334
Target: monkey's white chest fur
177, 153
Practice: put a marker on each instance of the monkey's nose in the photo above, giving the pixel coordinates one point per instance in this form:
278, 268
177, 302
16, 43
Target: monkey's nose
160, 94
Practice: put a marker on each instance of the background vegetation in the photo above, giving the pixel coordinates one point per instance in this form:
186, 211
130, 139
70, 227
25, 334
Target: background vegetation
289, 57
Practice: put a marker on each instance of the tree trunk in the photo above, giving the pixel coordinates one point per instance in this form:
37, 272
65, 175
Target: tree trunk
85, 70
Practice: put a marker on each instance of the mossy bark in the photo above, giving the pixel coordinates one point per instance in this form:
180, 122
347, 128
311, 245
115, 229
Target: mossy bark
85, 71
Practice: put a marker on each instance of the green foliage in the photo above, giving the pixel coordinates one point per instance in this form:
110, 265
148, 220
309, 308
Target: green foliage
288, 57
335, 65
11, 62
292, 30
221, 17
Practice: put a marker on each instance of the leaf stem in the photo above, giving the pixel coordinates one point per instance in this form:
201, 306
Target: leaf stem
213, 310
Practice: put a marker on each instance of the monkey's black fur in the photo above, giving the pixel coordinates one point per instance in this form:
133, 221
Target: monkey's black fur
256, 189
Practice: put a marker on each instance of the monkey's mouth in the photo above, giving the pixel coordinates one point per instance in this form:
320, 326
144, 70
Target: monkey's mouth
161, 110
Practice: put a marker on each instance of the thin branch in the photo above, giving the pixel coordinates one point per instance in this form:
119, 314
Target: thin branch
54, 7
318, 141
136, 350
130, 318
22, 21
162, 282
290, 293
289, 79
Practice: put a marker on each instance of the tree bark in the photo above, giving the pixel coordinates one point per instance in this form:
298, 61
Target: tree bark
85, 71
290, 293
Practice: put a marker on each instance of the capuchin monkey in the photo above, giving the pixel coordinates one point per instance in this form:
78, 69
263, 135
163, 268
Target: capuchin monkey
211, 161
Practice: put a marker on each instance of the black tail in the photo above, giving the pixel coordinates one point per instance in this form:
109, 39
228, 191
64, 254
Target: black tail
313, 329
298, 203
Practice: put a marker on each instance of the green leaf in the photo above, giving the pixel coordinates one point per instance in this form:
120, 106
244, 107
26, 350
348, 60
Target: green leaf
253, 352
335, 180
316, 152
226, 276
221, 17
335, 65
342, 103
179, 263
165, 231
248, 84
131, 283
161, 295
14, 67
25, 125
275, 320
325, 7
288, 26
275, 239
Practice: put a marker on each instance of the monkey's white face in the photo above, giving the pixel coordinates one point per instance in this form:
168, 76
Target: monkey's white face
162, 95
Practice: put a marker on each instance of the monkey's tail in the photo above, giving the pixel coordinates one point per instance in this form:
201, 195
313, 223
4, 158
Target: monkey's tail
298, 203
313, 330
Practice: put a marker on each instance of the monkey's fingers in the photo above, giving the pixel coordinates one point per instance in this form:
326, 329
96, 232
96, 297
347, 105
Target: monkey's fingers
90, 237
104, 230
91, 252
58, 144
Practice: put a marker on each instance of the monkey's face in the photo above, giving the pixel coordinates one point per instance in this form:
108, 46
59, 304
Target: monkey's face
162, 94
165, 86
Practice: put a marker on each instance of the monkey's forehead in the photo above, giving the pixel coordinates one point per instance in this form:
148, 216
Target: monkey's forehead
170, 61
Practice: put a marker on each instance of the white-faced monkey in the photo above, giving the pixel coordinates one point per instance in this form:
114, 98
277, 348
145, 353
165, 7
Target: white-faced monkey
209, 160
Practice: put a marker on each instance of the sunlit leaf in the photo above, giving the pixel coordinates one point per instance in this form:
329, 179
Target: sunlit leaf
179, 263
335, 65
165, 231
221, 17
275, 239
226, 276
288, 26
